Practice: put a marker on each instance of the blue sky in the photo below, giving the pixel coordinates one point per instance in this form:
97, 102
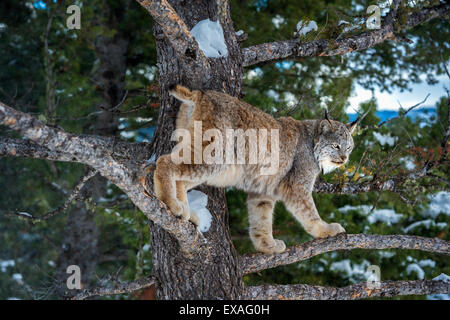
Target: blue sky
389, 101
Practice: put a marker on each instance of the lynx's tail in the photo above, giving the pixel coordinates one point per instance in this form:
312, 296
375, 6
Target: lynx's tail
181, 93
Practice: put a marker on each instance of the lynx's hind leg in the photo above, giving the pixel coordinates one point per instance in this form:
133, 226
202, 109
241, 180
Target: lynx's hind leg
260, 212
182, 189
165, 177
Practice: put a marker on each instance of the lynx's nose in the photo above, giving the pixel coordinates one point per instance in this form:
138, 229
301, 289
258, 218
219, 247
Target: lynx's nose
343, 158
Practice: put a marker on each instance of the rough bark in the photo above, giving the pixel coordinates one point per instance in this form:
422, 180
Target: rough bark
353, 292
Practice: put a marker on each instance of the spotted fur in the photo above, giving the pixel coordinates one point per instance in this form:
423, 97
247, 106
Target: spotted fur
306, 149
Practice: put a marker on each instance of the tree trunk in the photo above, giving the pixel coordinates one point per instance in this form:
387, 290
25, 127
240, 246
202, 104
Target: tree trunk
215, 274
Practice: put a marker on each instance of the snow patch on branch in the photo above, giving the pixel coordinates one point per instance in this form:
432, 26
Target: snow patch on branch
210, 38
408, 162
385, 139
414, 267
354, 272
439, 203
25, 214
305, 27
388, 216
278, 21
426, 224
341, 22
441, 277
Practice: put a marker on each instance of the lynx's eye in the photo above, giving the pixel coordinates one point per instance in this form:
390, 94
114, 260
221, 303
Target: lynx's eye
336, 146
348, 148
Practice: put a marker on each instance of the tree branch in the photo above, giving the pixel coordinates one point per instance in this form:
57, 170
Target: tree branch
177, 33
255, 262
87, 149
10, 147
403, 114
352, 292
355, 188
327, 47
116, 287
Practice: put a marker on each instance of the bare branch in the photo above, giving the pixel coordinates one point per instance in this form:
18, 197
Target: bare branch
355, 188
83, 149
116, 287
406, 111
327, 47
257, 261
352, 292
61, 144
390, 18
10, 147
401, 115
70, 198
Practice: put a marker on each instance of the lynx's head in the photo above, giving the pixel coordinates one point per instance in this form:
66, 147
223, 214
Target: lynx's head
333, 143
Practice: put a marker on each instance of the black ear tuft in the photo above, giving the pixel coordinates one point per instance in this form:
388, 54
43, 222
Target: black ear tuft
172, 86
352, 126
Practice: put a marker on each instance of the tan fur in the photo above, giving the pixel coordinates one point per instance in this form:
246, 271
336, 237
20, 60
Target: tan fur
304, 147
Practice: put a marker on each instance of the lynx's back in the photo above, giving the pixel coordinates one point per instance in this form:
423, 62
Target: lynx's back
220, 111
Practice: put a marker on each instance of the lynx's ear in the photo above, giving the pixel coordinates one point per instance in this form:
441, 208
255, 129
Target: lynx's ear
325, 125
352, 126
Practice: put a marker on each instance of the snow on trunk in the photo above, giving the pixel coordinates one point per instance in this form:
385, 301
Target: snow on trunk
209, 35
197, 202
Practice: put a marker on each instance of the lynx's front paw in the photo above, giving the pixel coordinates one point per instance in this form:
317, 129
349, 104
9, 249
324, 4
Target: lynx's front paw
328, 230
179, 209
273, 246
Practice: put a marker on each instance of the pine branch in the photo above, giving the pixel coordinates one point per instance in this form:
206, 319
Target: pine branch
255, 262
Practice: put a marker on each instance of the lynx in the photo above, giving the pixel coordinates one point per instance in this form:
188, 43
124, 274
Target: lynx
306, 148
